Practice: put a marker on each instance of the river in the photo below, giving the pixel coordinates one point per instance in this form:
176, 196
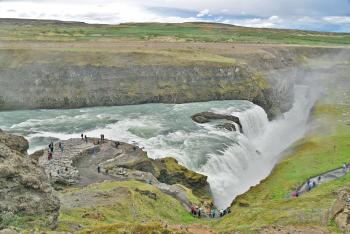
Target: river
232, 161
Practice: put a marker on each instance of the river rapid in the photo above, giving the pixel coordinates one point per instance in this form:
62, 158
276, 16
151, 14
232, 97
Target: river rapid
232, 161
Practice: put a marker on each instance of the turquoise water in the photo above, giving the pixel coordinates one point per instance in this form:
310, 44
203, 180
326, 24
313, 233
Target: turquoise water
159, 124
232, 161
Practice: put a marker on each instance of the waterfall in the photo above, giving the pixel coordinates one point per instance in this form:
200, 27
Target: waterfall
251, 158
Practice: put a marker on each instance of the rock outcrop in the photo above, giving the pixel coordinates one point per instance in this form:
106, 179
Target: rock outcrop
340, 211
79, 162
25, 191
205, 117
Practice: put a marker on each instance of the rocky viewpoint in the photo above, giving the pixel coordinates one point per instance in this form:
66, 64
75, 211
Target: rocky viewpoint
28, 182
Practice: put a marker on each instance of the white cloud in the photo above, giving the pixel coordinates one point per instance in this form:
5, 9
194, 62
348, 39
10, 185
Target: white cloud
271, 22
111, 13
337, 19
310, 14
203, 13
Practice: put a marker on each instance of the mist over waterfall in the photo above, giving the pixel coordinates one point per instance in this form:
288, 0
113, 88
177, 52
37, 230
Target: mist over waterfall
245, 163
232, 161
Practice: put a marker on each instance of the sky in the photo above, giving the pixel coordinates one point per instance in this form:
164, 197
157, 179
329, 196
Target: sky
317, 15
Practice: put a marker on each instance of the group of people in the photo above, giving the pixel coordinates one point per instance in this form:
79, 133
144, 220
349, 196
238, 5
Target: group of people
224, 212
84, 138
51, 149
198, 212
310, 184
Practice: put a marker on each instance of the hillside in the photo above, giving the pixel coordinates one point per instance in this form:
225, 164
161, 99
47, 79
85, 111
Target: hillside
45, 30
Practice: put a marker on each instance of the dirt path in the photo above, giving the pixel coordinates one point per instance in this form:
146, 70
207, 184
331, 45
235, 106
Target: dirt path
323, 178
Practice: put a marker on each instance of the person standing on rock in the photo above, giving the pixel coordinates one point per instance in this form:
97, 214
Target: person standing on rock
82, 136
49, 155
60, 145
98, 168
51, 147
86, 139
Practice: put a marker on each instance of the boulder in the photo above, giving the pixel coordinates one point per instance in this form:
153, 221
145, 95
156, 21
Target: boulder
205, 117
17, 143
340, 211
24, 188
171, 172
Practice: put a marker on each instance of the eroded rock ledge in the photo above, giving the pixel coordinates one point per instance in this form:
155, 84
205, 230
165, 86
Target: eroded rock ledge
79, 162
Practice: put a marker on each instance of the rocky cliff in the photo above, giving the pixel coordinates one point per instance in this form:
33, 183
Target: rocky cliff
149, 72
26, 197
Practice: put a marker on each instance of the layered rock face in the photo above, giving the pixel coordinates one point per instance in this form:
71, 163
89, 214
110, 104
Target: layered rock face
25, 192
69, 78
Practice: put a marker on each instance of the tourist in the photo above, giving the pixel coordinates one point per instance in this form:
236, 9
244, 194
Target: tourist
60, 145
199, 212
51, 146
86, 139
308, 185
221, 212
82, 136
319, 179
192, 210
213, 212
49, 155
98, 169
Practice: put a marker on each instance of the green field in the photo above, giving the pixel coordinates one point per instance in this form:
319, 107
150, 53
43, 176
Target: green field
17, 30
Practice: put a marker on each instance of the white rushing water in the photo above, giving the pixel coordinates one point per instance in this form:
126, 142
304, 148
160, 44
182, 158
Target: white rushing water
232, 161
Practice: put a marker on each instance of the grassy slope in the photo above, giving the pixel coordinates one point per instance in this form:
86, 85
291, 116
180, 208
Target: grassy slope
269, 203
200, 32
118, 205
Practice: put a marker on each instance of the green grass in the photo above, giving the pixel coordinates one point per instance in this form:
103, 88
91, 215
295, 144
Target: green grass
200, 32
132, 207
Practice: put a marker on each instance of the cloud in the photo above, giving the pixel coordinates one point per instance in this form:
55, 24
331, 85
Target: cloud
271, 22
321, 15
338, 19
204, 12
